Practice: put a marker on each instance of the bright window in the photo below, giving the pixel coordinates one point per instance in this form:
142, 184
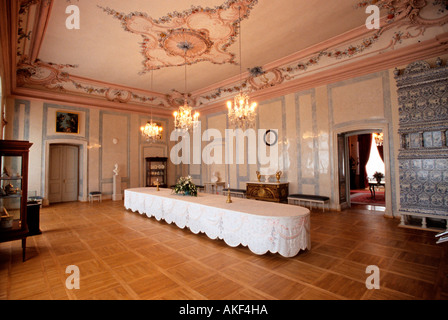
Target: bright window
375, 163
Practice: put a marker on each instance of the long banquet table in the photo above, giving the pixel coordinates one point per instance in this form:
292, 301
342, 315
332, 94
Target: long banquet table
259, 225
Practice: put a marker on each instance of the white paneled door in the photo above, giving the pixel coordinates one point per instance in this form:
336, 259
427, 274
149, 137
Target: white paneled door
64, 168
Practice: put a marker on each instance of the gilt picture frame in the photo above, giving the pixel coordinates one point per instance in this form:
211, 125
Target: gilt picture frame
67, 122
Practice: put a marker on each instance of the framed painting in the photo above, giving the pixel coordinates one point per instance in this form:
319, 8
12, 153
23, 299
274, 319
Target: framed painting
67, 122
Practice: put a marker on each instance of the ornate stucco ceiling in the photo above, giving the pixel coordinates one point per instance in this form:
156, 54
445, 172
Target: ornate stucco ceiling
108, 60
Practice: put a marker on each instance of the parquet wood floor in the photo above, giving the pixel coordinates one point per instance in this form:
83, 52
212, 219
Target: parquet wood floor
123, 255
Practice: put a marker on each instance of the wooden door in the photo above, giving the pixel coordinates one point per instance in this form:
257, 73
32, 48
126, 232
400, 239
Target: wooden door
63, 179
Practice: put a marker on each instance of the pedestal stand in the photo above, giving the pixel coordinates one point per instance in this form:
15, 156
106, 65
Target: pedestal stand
117, 188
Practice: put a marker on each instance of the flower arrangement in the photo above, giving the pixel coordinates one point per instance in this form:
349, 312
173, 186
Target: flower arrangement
185, 186
378, 176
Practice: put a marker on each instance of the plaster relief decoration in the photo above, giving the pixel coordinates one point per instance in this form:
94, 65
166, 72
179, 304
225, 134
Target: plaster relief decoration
122, 96
47, 74
207, 32
423, 155
259, 79
56, 77
176, 99
412, 9
405, 20
116, 94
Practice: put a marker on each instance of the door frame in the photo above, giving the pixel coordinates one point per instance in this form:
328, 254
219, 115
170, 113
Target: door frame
82, 163
356, 129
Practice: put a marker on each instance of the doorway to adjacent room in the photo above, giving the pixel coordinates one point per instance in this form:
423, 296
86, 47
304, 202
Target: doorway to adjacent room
64, 173
366, 160
361, 157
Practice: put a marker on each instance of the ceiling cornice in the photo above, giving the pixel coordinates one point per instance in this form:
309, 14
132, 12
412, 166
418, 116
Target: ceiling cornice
88, 102
339, 40
437, 46
358, 51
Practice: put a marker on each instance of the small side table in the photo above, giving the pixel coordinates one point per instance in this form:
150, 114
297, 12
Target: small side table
372, 186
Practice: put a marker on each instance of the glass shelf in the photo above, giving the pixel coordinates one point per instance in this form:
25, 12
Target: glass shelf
14, 156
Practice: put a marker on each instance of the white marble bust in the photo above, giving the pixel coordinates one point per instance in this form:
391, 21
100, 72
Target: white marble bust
215, 177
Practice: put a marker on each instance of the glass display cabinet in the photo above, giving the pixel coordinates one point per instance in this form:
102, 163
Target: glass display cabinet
156, 170
13, 191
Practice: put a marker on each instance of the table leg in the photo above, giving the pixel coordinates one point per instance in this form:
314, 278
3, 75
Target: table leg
372, 191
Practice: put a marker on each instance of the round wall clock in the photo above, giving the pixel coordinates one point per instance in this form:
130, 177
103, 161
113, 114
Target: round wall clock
270, 137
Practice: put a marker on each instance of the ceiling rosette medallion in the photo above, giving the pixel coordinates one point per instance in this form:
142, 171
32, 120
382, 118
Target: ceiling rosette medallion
176, 41
208, 32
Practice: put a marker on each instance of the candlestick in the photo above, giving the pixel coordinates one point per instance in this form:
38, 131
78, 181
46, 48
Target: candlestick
229, 200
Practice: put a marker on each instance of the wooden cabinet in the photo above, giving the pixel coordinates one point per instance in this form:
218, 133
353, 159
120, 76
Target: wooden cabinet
274, 192
156, 170
14, 191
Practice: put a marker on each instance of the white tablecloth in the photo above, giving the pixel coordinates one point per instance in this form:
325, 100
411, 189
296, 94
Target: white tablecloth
259, 225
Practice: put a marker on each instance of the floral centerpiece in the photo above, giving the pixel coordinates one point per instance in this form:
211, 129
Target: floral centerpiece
185, 186
378, 176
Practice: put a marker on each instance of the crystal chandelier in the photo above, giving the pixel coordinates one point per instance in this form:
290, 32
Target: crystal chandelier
242, 113
183, 118
151, 131
378, 138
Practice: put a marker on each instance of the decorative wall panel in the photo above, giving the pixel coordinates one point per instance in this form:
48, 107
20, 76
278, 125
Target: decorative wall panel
423, 127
